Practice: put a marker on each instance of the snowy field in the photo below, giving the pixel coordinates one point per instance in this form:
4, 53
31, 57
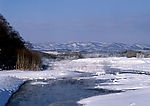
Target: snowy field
130, 75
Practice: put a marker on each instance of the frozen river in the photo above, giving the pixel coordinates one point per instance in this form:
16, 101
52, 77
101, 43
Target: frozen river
105, 81
58, 92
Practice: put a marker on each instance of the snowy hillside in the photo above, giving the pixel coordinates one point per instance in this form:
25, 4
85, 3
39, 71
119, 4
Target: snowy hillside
89, 47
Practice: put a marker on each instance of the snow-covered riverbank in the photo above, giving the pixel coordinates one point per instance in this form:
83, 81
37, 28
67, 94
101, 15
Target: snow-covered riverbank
101, 68
10, 81
8, 86
129, 98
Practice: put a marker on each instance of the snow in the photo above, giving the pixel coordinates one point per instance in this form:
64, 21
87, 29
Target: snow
99, 65
51, 52
10, 81
82, 65
136, 86
124, 82
88, 46
8, 86
129, 98
39, 83
141, 64
31, 75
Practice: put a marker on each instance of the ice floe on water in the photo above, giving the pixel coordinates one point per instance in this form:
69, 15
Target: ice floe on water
39, 83
125, 82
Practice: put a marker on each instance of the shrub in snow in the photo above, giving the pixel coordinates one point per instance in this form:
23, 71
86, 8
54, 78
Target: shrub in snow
28, 60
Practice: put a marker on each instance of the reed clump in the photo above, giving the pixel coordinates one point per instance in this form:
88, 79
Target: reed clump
28, 60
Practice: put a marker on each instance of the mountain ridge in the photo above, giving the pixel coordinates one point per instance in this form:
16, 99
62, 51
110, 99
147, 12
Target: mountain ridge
89, 47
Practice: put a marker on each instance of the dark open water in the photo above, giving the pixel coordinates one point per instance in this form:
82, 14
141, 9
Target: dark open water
59, 92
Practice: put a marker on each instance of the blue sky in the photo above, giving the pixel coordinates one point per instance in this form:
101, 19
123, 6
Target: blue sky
126, 21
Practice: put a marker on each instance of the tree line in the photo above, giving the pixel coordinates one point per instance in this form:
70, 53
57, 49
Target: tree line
13, 52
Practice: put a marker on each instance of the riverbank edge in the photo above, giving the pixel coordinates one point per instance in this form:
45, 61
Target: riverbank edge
16, 92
